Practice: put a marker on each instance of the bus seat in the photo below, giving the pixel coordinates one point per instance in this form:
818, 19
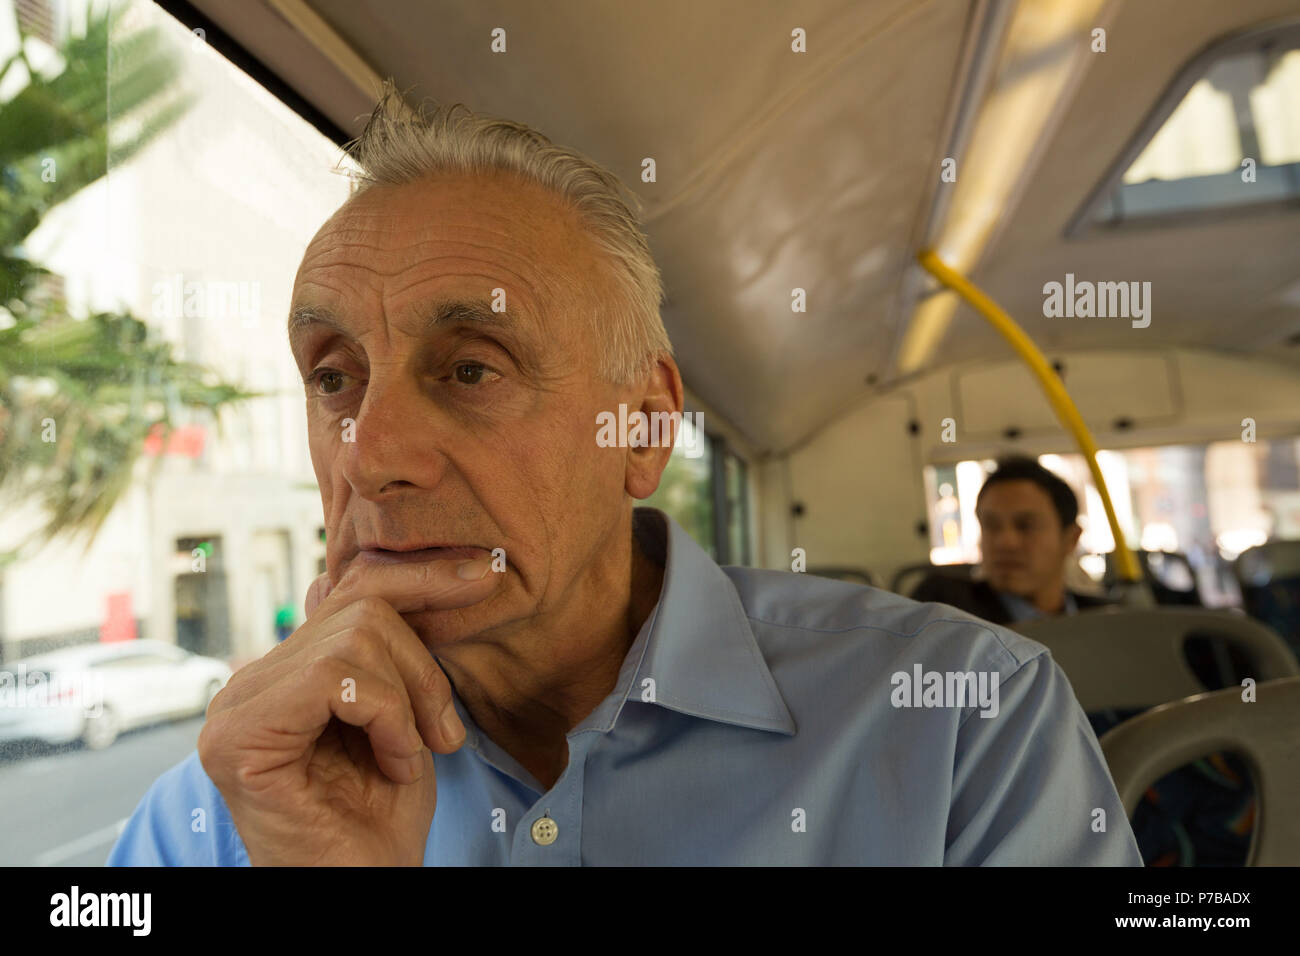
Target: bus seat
1266, 733
1269, 577
853, 575
906, 579
1133, 658
1169, 573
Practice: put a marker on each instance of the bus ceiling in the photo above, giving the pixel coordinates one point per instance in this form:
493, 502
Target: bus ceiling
827, 172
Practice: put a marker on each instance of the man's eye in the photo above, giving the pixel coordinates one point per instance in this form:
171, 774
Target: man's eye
329, 382
469, 373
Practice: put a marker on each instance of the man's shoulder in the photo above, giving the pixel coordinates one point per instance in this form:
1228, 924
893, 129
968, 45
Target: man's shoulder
884, 624
182, 820
995, 764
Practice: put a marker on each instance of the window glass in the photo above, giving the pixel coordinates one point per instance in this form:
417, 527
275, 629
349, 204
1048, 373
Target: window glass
1200, 138
154, 475
686, 487
1275, 103
1208, 502
737, 479
135, 660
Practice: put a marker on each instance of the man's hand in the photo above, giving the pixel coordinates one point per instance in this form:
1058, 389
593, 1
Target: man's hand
321, 748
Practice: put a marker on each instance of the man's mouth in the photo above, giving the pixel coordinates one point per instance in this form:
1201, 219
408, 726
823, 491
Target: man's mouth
377, 555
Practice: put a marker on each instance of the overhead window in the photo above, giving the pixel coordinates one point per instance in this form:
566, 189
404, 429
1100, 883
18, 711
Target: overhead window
1226, 135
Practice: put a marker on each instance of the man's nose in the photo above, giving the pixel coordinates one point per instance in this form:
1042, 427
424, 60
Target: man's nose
395, 440
1003, 539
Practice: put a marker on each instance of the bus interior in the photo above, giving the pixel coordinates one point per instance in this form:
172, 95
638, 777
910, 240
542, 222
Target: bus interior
901, 240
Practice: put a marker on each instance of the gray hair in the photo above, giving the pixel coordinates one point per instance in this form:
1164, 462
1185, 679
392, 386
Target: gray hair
401, 145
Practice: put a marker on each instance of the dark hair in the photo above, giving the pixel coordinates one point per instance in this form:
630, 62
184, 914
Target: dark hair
1027, 469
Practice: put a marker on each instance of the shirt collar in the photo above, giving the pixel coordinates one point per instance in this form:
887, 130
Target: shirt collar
696, 645
700, 652
1022, 610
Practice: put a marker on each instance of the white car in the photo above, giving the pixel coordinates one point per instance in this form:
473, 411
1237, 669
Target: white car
94, 692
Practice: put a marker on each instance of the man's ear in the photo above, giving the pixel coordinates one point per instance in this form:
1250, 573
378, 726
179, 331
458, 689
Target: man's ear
660, 401
1072, 538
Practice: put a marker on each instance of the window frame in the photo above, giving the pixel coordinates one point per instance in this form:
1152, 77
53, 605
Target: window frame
720, 452
192, 18
1082, 225
718, 489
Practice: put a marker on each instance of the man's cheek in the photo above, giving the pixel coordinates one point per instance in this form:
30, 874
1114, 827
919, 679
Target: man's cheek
319, 454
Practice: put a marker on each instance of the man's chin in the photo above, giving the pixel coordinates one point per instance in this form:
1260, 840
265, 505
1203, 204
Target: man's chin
441, 628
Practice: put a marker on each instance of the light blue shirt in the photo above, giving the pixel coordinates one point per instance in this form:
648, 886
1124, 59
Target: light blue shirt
762, 718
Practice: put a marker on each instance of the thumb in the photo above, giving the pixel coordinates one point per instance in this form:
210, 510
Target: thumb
319, 590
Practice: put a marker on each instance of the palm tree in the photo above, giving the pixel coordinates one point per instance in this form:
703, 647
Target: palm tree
97, 386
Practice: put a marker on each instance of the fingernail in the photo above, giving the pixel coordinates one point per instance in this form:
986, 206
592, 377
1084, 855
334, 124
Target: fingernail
474, 570
452, 729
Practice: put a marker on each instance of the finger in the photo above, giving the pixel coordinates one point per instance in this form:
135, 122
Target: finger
413, 588
370, 634
407, 588
319, 590
330, 687
384, 710
410, 661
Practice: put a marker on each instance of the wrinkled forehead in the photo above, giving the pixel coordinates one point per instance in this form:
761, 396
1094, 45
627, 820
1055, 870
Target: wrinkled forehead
481, 233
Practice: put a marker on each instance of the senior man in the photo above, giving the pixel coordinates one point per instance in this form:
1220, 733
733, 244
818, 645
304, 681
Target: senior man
509, 663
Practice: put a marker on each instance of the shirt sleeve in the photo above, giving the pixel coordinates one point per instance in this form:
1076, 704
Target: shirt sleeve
181, 821
1030, 785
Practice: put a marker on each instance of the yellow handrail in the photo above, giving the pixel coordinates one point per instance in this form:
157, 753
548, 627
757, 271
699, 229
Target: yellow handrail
1056, 394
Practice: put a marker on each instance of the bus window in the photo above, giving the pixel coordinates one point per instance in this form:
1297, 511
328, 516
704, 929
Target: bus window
1210, 502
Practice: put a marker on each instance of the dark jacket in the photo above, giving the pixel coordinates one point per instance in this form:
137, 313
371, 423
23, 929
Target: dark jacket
978, 597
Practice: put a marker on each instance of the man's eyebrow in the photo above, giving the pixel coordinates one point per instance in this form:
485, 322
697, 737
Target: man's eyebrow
465, 311
442, 313
305, 315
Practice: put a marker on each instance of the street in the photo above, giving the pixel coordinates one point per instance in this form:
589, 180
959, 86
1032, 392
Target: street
65, 806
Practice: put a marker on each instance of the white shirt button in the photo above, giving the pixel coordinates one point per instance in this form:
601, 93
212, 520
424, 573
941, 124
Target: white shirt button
545, 831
